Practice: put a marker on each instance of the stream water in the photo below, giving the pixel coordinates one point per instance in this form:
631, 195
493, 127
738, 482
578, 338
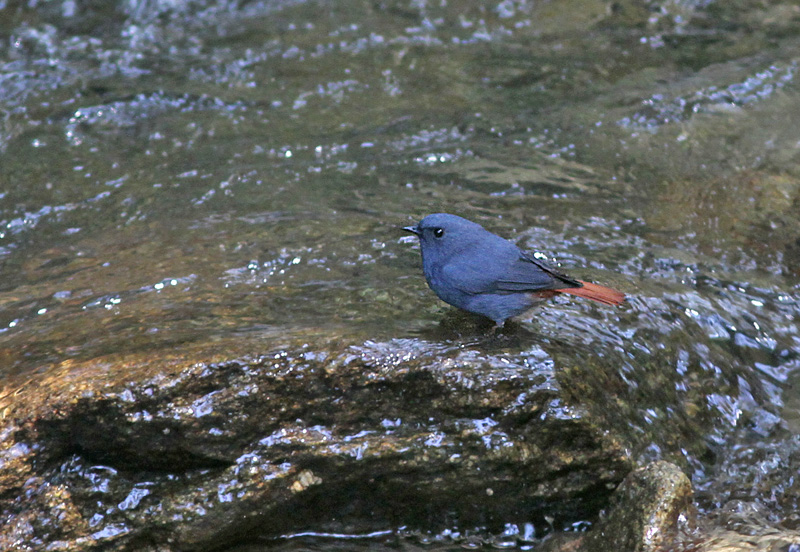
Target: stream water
174, 173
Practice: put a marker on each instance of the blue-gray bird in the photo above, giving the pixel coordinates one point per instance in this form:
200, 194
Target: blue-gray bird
472, 269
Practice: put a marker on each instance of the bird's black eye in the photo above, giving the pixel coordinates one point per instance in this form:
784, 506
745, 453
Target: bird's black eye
438, 232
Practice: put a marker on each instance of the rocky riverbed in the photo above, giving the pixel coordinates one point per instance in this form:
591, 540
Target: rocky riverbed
215, 336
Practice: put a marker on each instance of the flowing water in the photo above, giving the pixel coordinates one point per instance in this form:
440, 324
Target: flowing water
175, 173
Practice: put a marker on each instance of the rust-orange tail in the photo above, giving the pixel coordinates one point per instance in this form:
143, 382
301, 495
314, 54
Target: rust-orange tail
601, 294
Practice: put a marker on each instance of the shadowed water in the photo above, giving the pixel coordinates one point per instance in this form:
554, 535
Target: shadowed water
175, 174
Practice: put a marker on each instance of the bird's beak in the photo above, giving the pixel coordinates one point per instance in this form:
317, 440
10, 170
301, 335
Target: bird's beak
412, 229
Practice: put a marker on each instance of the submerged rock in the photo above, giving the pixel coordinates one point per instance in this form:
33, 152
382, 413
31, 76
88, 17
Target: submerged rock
766, 539
126, 453
742, 526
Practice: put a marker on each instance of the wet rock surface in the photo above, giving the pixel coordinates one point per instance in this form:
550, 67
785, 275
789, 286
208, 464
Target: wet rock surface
651, 510
201, 455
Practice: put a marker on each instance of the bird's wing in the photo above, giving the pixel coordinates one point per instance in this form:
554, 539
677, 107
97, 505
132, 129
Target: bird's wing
517, 274
530, 274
